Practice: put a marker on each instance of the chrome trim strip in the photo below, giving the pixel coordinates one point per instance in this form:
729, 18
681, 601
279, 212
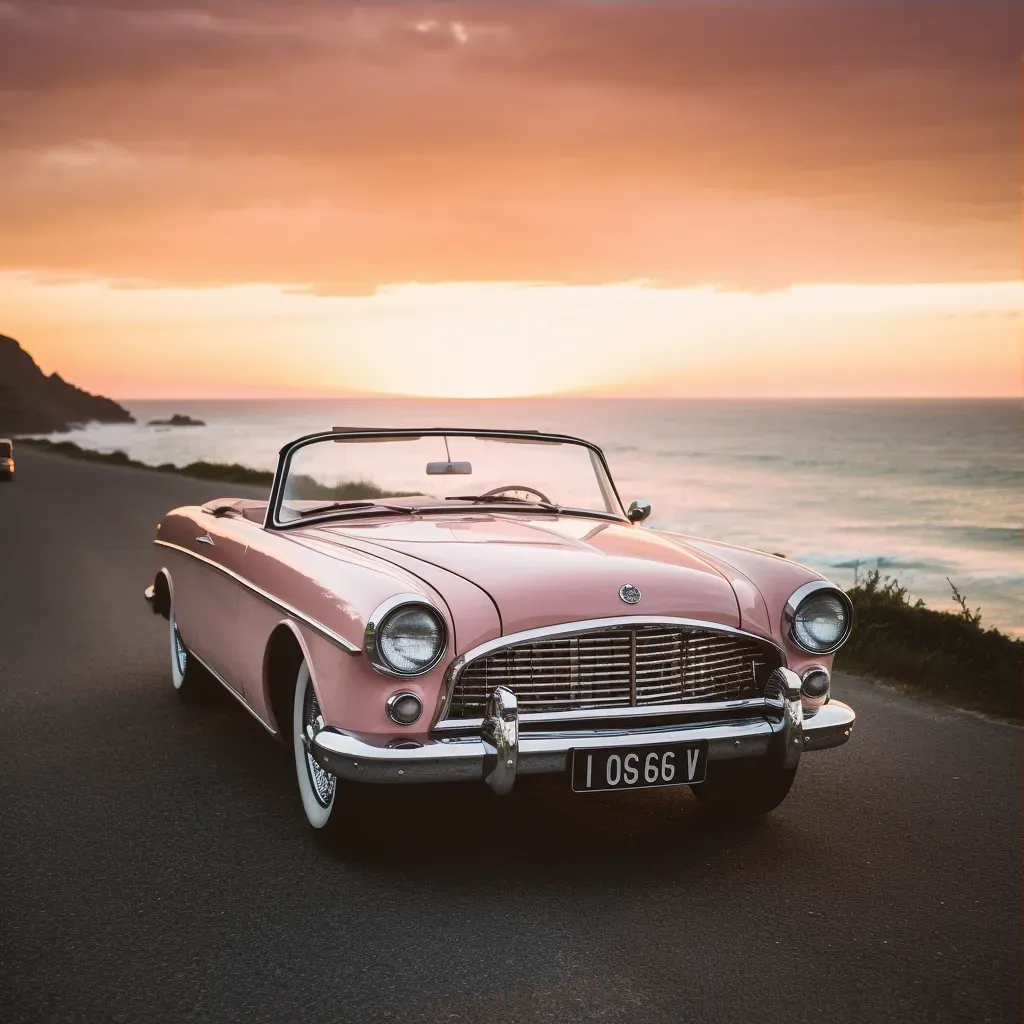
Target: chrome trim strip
799, 596
528, 719
347, 646
234, 693
373, 623
456, 668
632, 666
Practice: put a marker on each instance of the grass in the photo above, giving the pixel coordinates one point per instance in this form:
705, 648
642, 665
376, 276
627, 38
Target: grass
303, 487
948, 656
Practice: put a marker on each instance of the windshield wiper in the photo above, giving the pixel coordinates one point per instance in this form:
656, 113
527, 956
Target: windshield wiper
480, 499
354, 506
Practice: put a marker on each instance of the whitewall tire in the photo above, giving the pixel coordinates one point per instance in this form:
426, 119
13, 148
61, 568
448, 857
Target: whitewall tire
186, 672
318, 789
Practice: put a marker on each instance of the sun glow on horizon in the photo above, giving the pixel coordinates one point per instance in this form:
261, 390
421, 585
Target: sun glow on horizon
506, 340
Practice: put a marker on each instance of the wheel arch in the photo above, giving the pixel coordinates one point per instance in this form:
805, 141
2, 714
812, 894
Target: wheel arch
163, 593
285, 651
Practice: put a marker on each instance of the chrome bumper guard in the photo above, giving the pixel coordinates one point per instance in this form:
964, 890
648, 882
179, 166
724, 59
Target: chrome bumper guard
503, 750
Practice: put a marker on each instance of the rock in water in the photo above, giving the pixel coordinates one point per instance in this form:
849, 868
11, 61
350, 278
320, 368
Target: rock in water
177, 420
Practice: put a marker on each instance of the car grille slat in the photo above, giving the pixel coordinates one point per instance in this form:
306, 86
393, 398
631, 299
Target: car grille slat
604, 668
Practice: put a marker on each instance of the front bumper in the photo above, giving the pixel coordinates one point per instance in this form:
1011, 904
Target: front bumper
503, 749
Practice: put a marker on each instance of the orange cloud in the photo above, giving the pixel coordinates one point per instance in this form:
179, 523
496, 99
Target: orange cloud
342, 147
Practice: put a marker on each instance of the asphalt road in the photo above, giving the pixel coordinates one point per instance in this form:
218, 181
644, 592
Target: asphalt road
155, 864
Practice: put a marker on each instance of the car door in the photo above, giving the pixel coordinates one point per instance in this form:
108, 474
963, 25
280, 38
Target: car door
221, 542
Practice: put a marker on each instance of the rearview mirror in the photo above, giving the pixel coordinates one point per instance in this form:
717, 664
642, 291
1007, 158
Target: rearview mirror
449, 468
639, 510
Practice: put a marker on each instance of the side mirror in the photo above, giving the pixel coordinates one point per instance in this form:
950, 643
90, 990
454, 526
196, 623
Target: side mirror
639, 510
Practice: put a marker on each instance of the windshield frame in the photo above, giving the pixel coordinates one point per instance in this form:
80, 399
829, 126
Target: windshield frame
273, 521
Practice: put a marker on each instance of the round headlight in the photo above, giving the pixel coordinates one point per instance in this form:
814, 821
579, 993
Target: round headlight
820, 618
405, 640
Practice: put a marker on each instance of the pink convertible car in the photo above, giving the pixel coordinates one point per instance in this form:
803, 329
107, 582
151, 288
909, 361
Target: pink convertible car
443, 605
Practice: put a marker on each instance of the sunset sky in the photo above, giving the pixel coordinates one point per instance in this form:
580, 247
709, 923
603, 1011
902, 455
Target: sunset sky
259, 198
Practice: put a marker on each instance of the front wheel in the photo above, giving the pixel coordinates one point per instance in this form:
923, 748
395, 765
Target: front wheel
187, 675
318, 788
743, 789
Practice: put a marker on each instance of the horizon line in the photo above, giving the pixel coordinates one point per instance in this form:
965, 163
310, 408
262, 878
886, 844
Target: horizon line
571, 397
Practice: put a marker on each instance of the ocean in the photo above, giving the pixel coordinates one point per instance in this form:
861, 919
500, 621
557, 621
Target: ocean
922, 490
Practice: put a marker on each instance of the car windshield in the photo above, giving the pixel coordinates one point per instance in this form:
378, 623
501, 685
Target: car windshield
5, 449
446, 472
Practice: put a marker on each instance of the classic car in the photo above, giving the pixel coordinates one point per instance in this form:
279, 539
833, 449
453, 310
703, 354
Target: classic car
6, 459
446, 604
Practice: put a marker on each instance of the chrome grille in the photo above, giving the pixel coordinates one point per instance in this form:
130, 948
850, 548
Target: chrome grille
616, 668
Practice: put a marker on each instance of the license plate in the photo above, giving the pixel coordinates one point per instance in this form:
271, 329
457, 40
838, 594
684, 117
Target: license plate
674, 764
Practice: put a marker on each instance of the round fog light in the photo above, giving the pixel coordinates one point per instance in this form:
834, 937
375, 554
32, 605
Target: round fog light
815, 683
404, 708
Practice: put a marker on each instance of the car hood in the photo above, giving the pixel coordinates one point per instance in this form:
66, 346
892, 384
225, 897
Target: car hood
549, 569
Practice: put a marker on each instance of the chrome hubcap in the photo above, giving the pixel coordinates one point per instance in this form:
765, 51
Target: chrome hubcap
323, 782
180, 651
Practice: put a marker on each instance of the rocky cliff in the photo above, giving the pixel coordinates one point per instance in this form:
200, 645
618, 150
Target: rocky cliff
32, 403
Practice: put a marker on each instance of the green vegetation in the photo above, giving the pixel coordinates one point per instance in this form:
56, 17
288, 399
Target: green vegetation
230, 473
945, 655
303, 487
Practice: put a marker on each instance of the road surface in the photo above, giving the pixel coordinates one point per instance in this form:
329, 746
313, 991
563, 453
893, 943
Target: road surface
155, 863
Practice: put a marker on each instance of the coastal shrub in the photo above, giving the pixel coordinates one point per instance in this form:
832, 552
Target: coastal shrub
305, 488
948, 655
227, 472
223, 472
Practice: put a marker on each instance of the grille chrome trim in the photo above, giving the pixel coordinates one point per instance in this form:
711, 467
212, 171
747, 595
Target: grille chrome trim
658, 662
575, 718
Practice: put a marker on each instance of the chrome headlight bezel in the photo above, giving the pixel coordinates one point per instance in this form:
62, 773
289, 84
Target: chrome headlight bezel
378, 619
800, 597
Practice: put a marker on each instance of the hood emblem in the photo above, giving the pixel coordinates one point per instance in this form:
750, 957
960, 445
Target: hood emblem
629, 593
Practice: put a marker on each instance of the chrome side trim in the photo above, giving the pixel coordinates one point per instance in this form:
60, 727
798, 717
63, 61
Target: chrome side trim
234, 693
325, 631
799, 596
373, 623
458, 666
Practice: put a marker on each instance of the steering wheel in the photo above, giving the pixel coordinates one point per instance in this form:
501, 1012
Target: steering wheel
495, 491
